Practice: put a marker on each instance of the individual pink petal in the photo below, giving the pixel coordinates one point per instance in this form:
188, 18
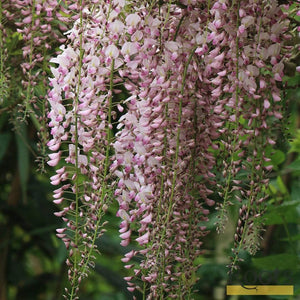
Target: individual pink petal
112, 51
210, 202
27, 20
55, 177
143, 239
266, 104
269, 168
58, 201
276, 97
125, 235
125, 243
55, 182
147, 219
60, 213
53, 162
132, 19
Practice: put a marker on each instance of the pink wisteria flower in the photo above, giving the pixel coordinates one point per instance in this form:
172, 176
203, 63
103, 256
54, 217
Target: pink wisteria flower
201, 95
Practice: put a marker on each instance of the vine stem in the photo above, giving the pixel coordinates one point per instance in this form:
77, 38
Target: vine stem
81, 51
236, 122
27, 104
253, 170
168, 215
104, 186
2, 77
89, 248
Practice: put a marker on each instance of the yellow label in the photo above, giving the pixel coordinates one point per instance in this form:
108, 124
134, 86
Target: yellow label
260, 290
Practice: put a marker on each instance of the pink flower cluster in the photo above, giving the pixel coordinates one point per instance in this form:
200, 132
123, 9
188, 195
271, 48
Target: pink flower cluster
202, 82
248, 99
169, 122
35, 20
39, 27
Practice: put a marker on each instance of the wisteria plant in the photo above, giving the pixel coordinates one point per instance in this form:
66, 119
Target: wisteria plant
166, 107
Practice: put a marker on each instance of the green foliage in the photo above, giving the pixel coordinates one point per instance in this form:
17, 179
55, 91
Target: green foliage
23, 157
295, 143
276, 262
5, 140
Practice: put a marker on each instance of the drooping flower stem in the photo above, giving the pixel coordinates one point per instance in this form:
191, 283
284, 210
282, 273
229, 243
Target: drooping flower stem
29, 85
74, 283
179, 125
29, 92
175, 170
186, 283
2, 53
232, 149
109, 125
104, 188
250, 203
164, 152
249, 227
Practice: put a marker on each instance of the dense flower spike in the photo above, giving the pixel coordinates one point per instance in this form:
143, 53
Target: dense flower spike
3, 57
34, 20
170, 121
38, 29
250, 108
202, 82
81, 118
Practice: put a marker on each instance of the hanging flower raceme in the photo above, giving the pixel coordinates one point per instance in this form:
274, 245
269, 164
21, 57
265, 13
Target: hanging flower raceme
81, 118
163, 143
235, 84
249, 102
4, 78
38, 29
34, 20
201, 91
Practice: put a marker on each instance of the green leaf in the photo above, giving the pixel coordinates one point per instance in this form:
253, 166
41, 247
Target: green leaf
287, 210
295, 193
273, 187
242, 120
293, 81
23, 158
12, 43
4, 143
283, 261
295, 165
281, 186
211, 223
295, 143
277, 158
3, 119
292, 238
